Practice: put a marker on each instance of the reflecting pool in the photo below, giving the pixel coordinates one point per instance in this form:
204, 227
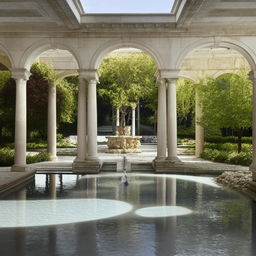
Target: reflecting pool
155, 215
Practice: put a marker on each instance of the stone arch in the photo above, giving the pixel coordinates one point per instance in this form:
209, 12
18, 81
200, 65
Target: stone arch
64, 74
36, 49
218, 43
6, 58
187, 77
101, 52
223, 72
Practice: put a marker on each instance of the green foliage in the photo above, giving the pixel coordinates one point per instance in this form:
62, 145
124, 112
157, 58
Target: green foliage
7, 157
227, 101
242, 158
66, 101
36, 145
65, 143
45, 72
126, 78
5, 76
7, 102
185, 99
230, 139
186, 132
230, 157
40, 157
215, 155
42, 77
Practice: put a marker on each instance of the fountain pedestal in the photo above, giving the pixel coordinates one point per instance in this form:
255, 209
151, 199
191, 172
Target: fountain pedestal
123, 144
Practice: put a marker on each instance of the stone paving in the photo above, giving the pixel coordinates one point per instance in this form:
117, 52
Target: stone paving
192, 164
145, 158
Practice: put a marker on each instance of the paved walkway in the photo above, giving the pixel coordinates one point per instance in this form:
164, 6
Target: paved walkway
139, 162
144, 160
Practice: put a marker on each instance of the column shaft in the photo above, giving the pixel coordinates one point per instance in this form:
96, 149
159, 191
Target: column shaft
20, 122
92, 120
133, 122
253, 165
81, 121
161, 121
172, 120
199, 129
117, 117
52, 122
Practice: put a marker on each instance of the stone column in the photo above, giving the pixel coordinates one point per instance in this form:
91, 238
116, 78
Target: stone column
87, 160
199, 129
161, 121
133, 121
253, 165
117, 117
92, 119
81, 121
52, 122
172, 121
21, 76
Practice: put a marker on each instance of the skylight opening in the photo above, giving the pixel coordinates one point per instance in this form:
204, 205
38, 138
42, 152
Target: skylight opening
127, 6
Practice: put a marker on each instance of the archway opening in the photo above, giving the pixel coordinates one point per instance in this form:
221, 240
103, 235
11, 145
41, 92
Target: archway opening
222, 75
50, 101
62, 68
6, 114
127, 86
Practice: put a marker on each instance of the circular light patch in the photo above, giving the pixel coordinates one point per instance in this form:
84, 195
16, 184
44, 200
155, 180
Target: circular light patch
163, 211
53, 212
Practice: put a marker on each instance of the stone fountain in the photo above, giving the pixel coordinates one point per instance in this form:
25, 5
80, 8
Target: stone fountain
123, 142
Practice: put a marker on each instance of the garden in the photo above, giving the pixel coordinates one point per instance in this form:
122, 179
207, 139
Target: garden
127, 81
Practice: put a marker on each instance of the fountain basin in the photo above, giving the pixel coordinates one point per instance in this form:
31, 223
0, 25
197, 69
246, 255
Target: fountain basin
123, 144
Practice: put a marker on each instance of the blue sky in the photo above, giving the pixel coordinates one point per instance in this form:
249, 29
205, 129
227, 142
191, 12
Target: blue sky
127, 6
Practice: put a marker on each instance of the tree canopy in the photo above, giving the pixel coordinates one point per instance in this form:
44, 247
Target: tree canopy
227, 102
42, 76
126, 78
185, 100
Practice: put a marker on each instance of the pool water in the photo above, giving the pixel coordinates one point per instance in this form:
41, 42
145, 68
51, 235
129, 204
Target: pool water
154, 215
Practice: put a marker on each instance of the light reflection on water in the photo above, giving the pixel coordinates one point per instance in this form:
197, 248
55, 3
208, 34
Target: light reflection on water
222, 222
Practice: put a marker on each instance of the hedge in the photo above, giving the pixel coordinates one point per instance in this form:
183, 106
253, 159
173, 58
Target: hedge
242, 158
7, 157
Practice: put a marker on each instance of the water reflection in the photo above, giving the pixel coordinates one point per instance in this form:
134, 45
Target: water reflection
223, 222
53, 186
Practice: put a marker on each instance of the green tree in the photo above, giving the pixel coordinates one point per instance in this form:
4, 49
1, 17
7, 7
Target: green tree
185, 101
227, 103
126, 78
42, 77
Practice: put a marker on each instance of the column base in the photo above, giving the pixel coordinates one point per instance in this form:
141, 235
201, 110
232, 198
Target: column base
54, 158
21, 168
168, 165
86, 166
173, 160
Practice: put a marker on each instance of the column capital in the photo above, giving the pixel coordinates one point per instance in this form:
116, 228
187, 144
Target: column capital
167, 74
20, 73
89, 74
171, 80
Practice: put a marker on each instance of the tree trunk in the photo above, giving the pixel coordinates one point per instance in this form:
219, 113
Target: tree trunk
239, 141
122, 120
